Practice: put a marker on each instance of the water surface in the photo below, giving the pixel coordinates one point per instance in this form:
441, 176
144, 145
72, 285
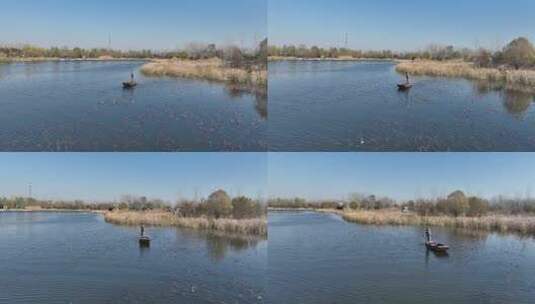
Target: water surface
319, 258
355, 106
78, 258
81, 106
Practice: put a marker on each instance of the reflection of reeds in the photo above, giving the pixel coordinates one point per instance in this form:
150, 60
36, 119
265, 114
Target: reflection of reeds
163, 218
209, 69
494, 223
522, 80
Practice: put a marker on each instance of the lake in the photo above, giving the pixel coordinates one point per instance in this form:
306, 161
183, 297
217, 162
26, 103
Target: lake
319, 258
81, 106
355, 106
78, 258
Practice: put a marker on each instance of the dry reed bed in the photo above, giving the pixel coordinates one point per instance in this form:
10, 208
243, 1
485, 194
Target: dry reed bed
163, 218
209, 69
523, 80
524, 225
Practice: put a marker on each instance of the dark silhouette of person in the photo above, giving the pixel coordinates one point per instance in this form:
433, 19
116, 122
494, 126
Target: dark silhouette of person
142, 230
428, 235
407, 77
132, 77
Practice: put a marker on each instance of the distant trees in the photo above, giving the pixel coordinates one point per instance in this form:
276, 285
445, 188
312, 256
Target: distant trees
456, 204
483, 59
232, 55
220, 205
243, 208
519, 53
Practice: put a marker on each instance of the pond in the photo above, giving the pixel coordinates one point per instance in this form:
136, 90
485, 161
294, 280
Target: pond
81, 106
355, 106
78, 258
319, 258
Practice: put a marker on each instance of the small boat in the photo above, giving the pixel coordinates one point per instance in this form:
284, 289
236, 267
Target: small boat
129, 84
436, 247
404, 86
144, 241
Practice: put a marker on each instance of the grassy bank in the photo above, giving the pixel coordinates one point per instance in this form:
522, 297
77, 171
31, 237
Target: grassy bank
522, 225
522, 80
207, 69
163, 218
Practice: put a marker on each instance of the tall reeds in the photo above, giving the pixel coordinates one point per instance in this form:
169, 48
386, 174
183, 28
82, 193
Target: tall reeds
213, 69
522, 80
524, 225
163, 218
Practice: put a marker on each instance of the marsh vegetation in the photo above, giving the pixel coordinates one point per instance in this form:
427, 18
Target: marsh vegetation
457, 210
513, 65
241, 69
218, 212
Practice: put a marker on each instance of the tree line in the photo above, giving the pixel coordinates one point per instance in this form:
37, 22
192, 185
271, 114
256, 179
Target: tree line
456, 204
519, 53
194, 51
218, 205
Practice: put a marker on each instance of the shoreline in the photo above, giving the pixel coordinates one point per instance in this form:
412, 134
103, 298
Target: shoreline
214, 70
51, 211
523, 225
517, 80
256, 227
341, 59
53, 59
252, 227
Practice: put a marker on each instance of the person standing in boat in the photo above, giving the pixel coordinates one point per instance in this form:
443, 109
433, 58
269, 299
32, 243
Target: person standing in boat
132, 77
142, 230
428, 235
407, 78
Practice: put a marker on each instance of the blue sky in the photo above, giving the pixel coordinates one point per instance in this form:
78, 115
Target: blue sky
400, 175
102, 176
400, 25
133, 24
108, 176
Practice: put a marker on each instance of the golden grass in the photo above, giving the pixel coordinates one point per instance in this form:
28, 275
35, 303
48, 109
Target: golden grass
523, 80
524, 225
208, 69
164, 218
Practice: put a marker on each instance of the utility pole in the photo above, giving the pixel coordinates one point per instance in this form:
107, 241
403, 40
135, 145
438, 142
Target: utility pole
30, 190
109, 41
346, 40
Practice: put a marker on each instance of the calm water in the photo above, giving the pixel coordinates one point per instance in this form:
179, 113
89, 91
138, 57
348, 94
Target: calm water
81, 106
78, 258
316, 258
355, 106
